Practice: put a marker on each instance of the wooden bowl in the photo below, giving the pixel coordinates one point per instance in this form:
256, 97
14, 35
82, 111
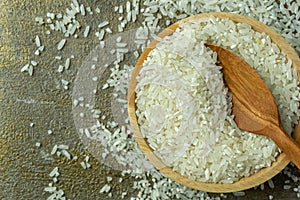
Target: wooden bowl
244, 183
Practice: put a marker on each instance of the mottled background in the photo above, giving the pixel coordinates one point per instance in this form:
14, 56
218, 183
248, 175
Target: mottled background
37, 99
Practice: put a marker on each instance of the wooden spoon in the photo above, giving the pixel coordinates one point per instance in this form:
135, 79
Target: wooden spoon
254, 106
244, 183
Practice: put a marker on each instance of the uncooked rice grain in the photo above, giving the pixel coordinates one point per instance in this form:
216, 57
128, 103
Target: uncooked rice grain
86, 31
281, 15
37, 41
61, 44
103, 24
177, 92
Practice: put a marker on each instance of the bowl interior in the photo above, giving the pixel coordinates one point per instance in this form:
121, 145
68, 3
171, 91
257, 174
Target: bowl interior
246, 182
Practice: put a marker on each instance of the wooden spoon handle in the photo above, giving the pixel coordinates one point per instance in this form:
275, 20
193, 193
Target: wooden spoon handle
286, 143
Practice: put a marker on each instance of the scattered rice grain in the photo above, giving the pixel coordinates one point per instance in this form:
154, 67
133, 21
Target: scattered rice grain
103, 24
86, 31
61, 44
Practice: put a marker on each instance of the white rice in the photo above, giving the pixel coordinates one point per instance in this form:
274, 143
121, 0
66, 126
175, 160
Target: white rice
65, 82
271, 184
105, 189
281, 15
67, 63
49, 132
86, 31
41, 48
108, 30
30, 70
50, 189
63, 146
37, 52
54, 150
25, 68
39, 20
239, 194
37, 41
61, 44
82, 10
54, 172
101, 34
83, 165
60, 68
184, 108
102, 44
103, 24
120, 9
34, 63
66, 154
97, 10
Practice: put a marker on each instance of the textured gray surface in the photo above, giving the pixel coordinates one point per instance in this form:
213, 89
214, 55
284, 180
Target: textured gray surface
24, 100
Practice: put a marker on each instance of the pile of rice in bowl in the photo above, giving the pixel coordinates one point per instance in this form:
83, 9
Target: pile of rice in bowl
184, 107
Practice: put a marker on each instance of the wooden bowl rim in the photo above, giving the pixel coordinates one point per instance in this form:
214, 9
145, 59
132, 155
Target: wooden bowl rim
244, 183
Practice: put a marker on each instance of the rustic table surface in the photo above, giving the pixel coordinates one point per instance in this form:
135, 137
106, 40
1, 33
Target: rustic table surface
32, 105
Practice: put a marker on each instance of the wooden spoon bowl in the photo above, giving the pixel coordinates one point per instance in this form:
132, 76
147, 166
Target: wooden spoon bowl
244, 183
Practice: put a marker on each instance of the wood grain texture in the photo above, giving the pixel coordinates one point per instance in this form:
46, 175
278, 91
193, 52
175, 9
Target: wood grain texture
244, 183
254, 106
